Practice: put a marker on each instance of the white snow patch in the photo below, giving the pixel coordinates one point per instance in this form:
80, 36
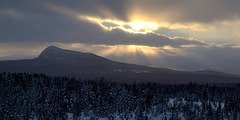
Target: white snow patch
69, 116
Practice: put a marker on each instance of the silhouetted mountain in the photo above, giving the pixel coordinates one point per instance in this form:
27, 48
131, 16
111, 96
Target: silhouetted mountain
57, 61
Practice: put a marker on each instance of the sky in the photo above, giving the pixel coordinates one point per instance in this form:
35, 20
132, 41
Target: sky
177, 34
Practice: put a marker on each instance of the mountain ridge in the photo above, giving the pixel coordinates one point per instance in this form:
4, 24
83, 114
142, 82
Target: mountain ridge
57, 61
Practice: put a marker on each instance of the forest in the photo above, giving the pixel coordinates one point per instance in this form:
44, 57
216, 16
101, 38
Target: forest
39, 96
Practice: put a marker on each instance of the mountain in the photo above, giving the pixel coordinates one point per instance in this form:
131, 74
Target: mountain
86, 66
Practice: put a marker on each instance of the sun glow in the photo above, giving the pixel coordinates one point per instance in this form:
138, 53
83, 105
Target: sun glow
131, 27
143, 25
119, 50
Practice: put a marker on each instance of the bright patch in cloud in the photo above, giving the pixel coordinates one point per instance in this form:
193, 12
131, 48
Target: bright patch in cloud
143, 25
131, 27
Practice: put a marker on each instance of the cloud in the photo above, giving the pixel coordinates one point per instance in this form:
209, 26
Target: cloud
73, 29
203, 11
11, 13
212, 21
175, 11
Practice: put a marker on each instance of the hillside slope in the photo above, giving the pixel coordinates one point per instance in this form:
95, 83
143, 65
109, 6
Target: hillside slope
57, 61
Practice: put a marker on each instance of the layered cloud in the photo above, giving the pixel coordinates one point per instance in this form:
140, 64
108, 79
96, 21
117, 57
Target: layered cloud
72, 26
212, 21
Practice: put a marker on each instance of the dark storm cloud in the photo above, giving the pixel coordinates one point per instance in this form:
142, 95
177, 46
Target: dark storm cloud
190, 10
64, 30
35, 21
41, 24
172, 10
203, 11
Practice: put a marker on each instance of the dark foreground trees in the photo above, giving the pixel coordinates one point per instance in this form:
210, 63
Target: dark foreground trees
39, 96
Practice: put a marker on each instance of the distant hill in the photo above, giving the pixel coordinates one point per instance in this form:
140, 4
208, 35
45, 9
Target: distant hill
57, 61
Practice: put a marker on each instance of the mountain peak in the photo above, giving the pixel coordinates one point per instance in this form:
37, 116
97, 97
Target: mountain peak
52, 48
51, 51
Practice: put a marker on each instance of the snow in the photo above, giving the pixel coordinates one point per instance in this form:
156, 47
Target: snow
69, 116
135, 71
171, 102
124, 104
34, 118
140, 71
198, 103
118, 70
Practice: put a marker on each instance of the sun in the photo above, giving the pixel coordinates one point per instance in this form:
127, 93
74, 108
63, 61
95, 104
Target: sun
143, 26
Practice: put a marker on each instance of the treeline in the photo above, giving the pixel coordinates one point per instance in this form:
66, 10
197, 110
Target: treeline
25, 96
